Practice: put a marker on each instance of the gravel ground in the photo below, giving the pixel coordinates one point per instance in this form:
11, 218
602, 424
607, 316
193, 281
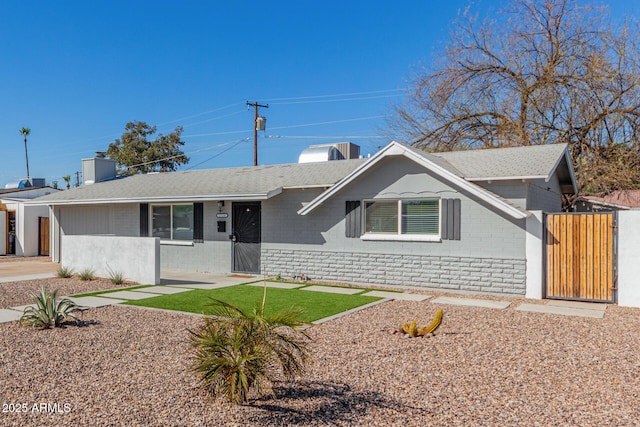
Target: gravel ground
130, 366
19, 293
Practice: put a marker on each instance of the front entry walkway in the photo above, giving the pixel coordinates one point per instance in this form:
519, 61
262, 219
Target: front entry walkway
186, 279
173, 282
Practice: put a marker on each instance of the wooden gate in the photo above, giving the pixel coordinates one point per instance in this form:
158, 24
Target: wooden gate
581, 256
43, 236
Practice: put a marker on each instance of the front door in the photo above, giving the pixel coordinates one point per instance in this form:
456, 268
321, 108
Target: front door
43, 236
246, 234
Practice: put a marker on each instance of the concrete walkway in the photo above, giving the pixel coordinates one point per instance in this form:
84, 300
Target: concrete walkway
173, 282
566, 308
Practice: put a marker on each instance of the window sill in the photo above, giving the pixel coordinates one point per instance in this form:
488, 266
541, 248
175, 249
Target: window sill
401, 237
176, 242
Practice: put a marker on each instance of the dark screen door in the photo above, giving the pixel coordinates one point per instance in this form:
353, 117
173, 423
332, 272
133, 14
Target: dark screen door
246, 237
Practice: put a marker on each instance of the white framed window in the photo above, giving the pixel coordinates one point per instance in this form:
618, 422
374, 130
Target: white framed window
409, 219
172, 222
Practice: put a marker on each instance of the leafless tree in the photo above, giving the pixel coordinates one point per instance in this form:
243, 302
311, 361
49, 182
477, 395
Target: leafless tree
536, 72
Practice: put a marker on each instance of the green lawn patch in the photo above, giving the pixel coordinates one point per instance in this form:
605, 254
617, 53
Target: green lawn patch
315, 305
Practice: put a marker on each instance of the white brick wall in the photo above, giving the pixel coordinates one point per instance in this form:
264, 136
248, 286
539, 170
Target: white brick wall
506, 276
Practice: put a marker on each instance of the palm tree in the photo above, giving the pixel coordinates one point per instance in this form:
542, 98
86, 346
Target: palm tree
24, 132
236, 351
67, 179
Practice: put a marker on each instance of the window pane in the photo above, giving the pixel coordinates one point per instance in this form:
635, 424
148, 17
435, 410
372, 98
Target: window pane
420, 217
382, 217
182, 222
161, 222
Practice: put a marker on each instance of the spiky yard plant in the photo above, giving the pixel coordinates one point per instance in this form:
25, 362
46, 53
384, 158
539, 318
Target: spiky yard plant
237, 351
48, 312
412, 330
116, 277
65, 272
86, 274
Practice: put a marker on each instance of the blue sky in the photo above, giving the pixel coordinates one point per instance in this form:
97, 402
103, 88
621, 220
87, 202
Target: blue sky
76, 72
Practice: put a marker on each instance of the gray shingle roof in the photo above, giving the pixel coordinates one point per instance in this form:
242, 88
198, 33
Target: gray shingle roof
211, 184
263, 181
504, 163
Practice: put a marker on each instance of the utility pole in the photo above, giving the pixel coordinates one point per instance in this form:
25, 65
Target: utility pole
255, 105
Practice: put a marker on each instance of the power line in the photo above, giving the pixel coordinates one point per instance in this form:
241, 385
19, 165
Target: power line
201, 114
337, 95
334, 100
290, 126
238, 142
329, 122
58, 147
326, 136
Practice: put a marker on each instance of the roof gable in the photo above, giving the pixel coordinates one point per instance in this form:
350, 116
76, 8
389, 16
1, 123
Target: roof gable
431, 162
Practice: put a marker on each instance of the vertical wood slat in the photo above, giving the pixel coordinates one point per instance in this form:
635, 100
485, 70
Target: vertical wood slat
571, 275
583, 255
556, 261
606, 261
609, 264
579, 256
576, 256
549, 255
589, 265
562, 256
597, 257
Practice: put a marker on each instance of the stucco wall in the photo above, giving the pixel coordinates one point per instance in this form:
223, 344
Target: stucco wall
628, 252
29, 230
489, 257
212, 256
545, 196
207, 257
137, 258
485, 233
122, 219
533, 195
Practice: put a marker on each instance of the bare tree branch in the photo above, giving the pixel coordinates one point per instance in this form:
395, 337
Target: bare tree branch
538, 72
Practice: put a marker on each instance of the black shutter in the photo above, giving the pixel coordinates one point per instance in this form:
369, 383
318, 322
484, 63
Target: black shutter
353, 219
198, 223
144, 220
450, 219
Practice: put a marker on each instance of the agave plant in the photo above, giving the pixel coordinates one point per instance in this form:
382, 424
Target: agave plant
48, 312
237, 351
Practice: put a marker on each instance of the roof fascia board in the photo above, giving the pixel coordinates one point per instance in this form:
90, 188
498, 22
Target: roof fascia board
602, 203
213, 197
507, 178
394, 149
304, 187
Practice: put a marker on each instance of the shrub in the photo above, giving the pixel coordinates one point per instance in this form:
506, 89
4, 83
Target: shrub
236, 351
65, 272
48, 313
86, 274
116, 277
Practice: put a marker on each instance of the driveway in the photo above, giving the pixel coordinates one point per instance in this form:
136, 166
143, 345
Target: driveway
15, 268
